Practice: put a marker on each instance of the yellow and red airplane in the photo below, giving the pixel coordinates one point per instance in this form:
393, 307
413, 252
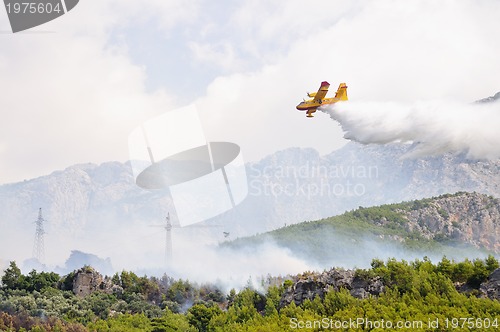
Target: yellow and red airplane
318, 98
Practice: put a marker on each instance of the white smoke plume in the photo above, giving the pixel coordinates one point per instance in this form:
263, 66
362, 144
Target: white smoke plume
436, 126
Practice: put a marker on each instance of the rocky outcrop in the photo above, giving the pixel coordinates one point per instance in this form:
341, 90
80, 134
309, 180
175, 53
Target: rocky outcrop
491, 288
87, 280
469, 218
313, 284
310, 285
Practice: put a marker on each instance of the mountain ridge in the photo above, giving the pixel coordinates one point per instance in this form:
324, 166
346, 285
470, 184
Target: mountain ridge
87, 201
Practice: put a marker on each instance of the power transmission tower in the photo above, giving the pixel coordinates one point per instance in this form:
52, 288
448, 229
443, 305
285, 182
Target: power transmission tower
38, 246
168, 242
168, 226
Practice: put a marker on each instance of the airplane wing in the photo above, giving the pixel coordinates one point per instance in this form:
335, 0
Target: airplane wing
323, 90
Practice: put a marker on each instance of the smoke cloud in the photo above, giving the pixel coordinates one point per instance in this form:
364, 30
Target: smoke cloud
436, 126
199, 255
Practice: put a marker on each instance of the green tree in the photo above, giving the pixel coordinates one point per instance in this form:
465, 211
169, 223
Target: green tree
181, 291
270, 308
116, 279
100, 303
122, 323
491, 263
35, 281
231, 296
400, 274
129, 282
479, 273
171, 322
199, 316
273, 297
462, 271
149, 288
337, 300
66, 282
445, 267
12, 278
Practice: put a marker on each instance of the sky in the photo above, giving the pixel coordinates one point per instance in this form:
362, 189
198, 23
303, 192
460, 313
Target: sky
72, 90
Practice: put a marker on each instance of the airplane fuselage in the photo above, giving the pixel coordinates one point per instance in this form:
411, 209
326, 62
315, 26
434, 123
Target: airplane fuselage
309, 104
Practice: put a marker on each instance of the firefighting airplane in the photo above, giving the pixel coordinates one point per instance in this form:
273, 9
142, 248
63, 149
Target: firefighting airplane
318, 98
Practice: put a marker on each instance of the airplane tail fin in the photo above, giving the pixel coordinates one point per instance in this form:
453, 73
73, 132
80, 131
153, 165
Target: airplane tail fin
341, 92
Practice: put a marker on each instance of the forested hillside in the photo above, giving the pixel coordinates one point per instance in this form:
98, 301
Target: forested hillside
458, 225
422, 294
419, 295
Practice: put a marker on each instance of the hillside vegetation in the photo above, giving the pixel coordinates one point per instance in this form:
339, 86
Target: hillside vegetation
452, 224
447, 295
417, 293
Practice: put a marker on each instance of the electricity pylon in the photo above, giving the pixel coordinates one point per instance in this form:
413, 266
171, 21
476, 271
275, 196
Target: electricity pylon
38, 246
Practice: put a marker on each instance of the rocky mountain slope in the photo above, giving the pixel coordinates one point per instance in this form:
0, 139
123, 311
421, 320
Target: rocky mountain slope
295, 185
287, 187
456, 225
290, 186
464, 218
